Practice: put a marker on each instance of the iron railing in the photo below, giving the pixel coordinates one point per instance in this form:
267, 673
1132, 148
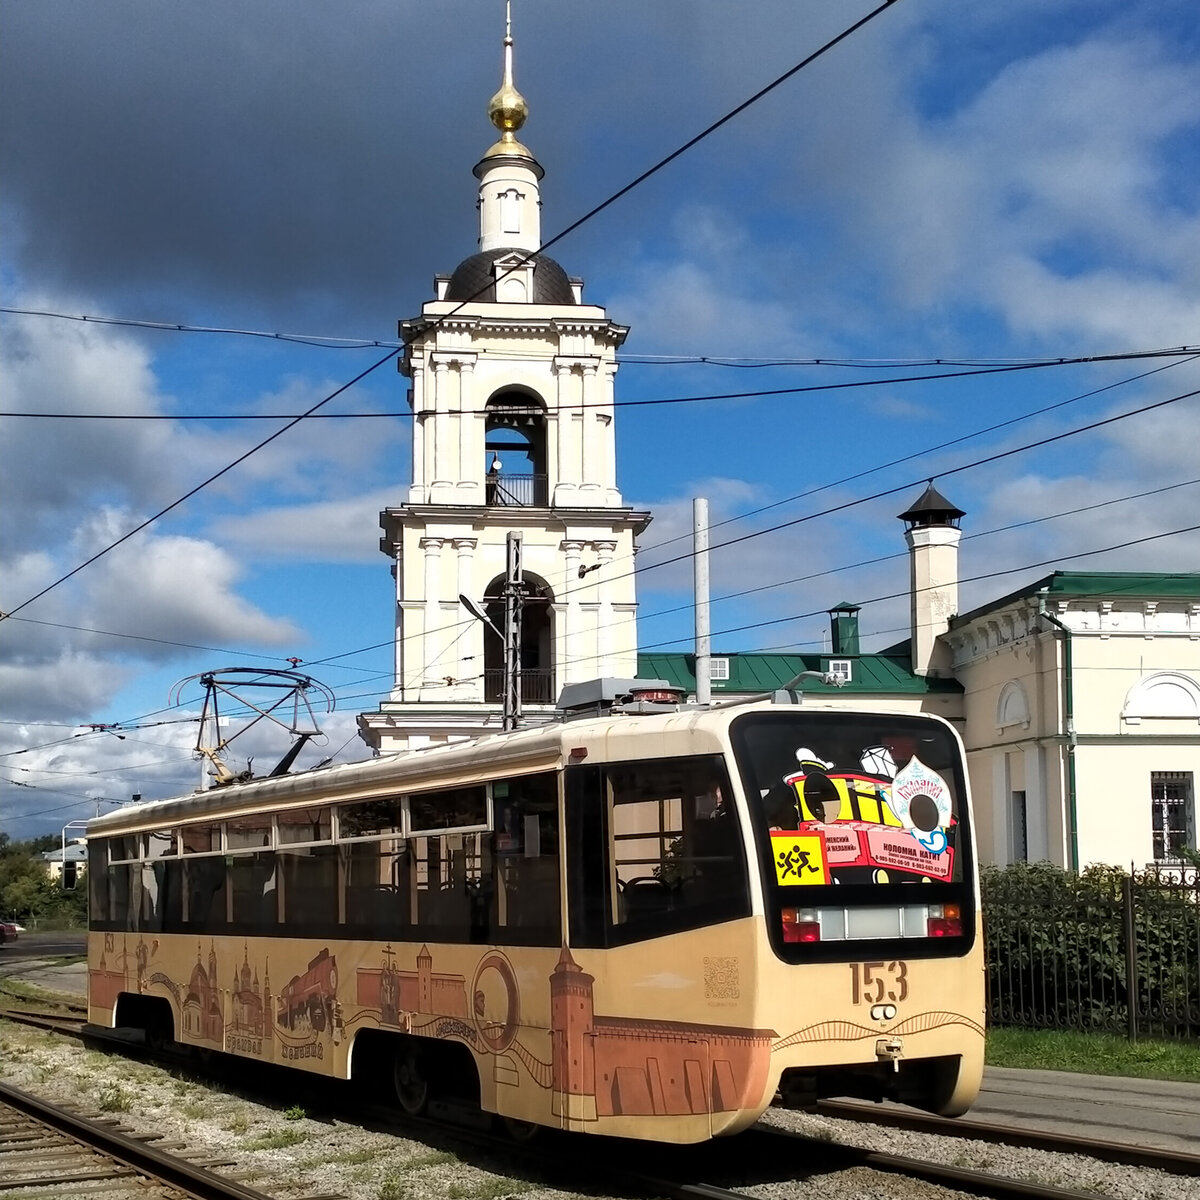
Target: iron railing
1101, 952
522, 491
537, 685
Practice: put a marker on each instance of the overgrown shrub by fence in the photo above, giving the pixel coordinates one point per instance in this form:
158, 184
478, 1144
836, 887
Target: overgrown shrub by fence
1103, 950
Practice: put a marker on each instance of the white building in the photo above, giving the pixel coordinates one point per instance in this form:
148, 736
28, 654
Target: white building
1078, 697
512, 398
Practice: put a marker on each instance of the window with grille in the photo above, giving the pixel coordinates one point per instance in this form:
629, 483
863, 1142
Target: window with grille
842, 668
1172, 813
718, 669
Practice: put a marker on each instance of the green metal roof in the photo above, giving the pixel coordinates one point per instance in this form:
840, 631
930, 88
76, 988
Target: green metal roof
876, 674
1107, 584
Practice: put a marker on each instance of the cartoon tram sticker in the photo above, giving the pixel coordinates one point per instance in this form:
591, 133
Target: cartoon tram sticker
852, 824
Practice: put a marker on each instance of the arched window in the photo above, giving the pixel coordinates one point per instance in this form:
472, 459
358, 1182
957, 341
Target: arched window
1012, 707
515, 445
1163, 694
537, 642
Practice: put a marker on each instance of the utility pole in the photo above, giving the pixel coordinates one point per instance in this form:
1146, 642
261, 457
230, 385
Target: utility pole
700, 577
514, 599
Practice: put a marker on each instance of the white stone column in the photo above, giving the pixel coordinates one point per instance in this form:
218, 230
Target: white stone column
440, 434
568, 622
1037, 832
607, 433
604, 617
568, 479
466, 664
591, 451
469, 463
416, 492
433, 638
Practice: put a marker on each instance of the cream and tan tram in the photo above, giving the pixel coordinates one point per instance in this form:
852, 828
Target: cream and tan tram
642, 925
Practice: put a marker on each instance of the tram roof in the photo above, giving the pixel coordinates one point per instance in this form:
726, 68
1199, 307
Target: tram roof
540, 748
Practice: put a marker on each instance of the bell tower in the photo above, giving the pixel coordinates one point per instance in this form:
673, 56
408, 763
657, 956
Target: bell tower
511, 389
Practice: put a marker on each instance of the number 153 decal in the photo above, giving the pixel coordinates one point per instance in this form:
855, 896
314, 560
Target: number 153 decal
875, 982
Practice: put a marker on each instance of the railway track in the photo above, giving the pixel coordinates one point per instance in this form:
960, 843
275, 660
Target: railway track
1173, 1162
48, 1151
711, 1170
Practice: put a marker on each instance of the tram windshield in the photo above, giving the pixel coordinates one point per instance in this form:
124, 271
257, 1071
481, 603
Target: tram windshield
848, 807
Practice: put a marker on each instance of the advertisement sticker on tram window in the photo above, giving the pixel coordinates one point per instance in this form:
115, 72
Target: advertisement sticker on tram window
896, 849
844, 845
799, 857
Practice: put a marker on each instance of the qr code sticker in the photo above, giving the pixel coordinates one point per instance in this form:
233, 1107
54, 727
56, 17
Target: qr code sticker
721, 979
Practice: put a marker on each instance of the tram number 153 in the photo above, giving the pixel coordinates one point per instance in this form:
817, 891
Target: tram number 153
874, 982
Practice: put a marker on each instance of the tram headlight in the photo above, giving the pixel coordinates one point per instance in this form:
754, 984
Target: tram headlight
944, 920
801, 925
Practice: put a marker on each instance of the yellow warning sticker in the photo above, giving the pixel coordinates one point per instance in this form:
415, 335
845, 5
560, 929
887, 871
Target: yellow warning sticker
799, 857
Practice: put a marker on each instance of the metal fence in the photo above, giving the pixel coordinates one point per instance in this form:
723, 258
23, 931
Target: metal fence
1103, 951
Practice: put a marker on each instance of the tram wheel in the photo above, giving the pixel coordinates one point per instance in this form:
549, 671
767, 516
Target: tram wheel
520, 1131
412, 1088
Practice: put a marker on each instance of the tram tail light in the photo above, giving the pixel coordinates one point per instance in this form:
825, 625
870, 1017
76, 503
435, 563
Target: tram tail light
944, 920
801, 925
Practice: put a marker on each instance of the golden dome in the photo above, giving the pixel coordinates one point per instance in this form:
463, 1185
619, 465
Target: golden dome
507, 109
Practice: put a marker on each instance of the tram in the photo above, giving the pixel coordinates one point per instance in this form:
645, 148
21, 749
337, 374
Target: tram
644, 924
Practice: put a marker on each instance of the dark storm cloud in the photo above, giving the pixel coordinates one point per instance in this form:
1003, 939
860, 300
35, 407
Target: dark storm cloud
222, 160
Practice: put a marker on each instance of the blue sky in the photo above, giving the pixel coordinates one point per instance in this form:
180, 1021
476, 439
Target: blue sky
966, 182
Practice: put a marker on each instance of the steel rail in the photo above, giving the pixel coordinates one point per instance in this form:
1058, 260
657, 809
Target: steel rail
193, 1181
1175, 1162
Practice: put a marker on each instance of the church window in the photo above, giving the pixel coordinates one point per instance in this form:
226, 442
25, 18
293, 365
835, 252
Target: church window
515, 451
1172, 814
510, 211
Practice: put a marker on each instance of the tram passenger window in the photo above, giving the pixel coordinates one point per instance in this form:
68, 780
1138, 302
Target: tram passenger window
123, 849
373, 818
309, 877
677, 859
446, 884
248, 833
448, 808
118, 895
97, 882
376, 887
206, 892
526, 907
169, 876
200, 839
300, 825
252, 884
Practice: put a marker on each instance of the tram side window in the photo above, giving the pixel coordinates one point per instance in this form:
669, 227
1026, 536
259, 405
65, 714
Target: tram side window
253, 888
376, 887
676, 846
309, 879
97, 876
525, 907
450, 884
206, 892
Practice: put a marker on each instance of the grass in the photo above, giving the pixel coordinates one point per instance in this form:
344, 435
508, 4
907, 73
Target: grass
276, 1140
1093, 1054
114, 1098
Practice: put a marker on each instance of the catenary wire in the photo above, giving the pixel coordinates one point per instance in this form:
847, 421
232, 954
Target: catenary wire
698, 398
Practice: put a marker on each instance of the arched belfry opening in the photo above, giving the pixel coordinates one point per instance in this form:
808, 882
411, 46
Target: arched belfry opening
537, 642
515, 446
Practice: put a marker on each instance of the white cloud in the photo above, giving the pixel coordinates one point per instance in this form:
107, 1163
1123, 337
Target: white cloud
345, 530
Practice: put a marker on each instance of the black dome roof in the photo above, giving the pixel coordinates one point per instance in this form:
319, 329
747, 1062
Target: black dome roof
475, 275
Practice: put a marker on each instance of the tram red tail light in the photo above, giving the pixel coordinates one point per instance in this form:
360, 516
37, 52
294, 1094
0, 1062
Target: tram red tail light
801, 925
944, 920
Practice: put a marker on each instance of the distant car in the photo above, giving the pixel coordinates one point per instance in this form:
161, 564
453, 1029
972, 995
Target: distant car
9, 931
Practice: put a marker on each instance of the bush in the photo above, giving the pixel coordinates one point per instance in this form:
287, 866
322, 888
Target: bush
1057, 956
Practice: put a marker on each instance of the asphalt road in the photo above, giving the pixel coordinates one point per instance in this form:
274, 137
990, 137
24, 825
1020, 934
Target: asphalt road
54, 944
